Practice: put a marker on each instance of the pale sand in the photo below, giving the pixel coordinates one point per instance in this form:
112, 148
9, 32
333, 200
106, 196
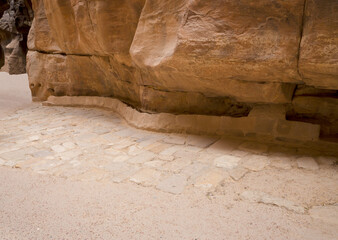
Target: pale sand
14, 92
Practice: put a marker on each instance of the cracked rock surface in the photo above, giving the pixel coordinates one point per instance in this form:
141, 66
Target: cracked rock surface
197, 57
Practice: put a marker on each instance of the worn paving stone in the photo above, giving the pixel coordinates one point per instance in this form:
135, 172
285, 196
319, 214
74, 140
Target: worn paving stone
125, 132
193, 170
175, 139
307, 163
327, 160
86, 145
42, 154
111, 138
174, 184
124, 143
146, 177
69, 145
327, 214
237, 173
69, 155
155, 163
176, 165
43, 165
34, 138
255, 162
158, 147
147, 141
254, 147
227, 162
93, 174
206, 157
239, 153
281, 162
143, 157
200, 141
171, 150
58, 148
134, 150
224, 146
210, 179
120, 158
20, 154
261, 197
186, 154
167, 158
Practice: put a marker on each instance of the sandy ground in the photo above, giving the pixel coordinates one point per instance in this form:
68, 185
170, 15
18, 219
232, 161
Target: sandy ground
35, 206
43, 207
14, 93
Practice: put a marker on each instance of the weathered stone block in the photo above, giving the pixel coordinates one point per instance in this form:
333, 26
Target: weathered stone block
297, 130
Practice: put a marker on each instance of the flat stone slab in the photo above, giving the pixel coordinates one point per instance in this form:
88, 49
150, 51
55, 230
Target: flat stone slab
307, 163
145, 156
210, 179
200, 141
254, 147
174, 184
227, 161
281, 162
237, 173
255, 162
146, 177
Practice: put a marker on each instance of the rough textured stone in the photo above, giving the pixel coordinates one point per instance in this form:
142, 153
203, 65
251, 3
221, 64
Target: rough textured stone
319, 47
327, 214
175, 38
319, 108
307, 163
261, 197
189, 57
15, 21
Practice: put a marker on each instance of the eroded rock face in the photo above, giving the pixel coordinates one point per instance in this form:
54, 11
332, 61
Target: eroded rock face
16, 18
318, 63
220, 57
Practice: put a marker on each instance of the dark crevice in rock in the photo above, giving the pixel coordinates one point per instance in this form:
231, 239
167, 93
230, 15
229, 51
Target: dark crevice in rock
67, 54
317, 106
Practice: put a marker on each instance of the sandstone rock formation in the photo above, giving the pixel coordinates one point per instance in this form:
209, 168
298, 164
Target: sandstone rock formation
15, 23
220, 57
3, 6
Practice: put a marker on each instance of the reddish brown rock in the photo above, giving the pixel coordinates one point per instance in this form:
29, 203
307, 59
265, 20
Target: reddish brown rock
233, 48
318, 62
221, 57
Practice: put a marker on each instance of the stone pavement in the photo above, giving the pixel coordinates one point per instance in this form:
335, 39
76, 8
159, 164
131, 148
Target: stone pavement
94, 144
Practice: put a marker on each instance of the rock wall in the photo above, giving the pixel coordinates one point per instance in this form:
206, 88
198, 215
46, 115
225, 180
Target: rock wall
219, 57
15, 20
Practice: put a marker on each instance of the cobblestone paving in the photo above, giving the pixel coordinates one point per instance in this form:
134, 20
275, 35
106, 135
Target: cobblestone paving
83, 144
94, 144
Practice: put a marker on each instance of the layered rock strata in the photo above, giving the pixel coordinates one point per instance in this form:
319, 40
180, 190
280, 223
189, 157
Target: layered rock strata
190, 57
